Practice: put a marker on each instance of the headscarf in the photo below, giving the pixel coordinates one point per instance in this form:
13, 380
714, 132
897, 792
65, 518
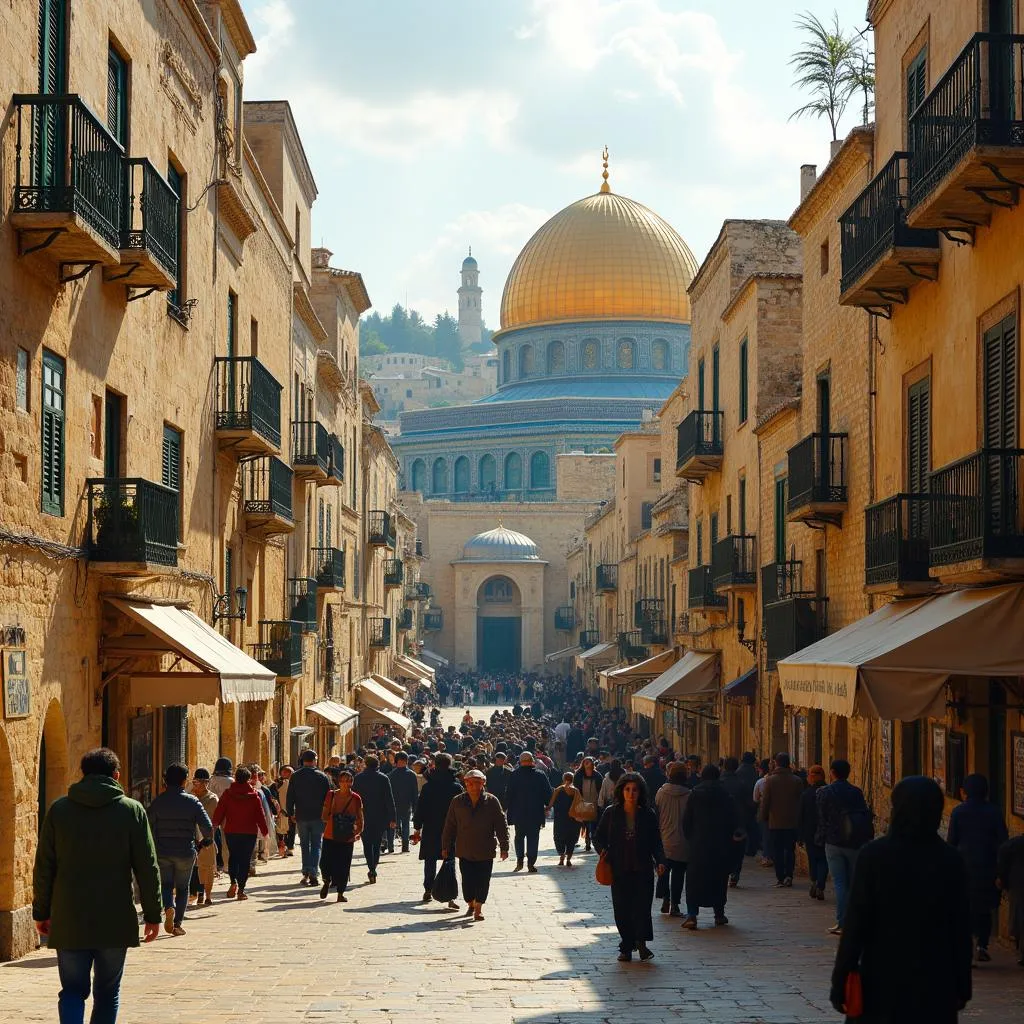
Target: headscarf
917, 804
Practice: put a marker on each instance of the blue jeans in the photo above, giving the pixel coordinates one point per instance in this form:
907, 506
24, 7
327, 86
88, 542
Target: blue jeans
528, 838
175, 873
817, 865
841, 862
403, 828
311, 838
371, 850
75, 967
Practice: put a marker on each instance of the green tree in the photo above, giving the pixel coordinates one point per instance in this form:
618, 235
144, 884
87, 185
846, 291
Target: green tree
447, 340
823, 68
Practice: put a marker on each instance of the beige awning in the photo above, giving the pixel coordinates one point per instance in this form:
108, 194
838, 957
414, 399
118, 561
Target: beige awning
895, 662
435, 658
374, 695
409, 667
335, 713
226, 673
693, 678
399, 721
397, 688
646, 669
600, 654
566, 652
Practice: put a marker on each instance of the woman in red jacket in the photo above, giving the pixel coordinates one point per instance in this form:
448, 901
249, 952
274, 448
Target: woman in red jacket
240, 816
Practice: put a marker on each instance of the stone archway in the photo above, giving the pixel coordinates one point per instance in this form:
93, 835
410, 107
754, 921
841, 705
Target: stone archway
52, 769
499, 625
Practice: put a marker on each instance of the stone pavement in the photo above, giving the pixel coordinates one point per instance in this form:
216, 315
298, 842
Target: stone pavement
544, 955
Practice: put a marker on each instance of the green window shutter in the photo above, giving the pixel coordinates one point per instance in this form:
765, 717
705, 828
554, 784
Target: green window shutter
1000, 361
919, 436
742, 503
329, 537
170, 475
780, 520
52, 25
714, 380
321, 516
917, 81
53, 434
743, 380
175, 180
232, 322
117, 96
700, 385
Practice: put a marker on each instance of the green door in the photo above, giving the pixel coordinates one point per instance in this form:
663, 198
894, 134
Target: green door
499, 643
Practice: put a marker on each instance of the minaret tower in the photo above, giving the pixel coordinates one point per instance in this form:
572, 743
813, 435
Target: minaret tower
470, 312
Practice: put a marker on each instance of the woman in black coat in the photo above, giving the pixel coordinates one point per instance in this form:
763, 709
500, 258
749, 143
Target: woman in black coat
428, 820
908, 928
630, 838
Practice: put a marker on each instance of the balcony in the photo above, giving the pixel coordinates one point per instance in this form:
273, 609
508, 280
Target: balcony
976, 527
329, 566
700, 441
967, 138
267, 496
311, 450
792, 624
69, 184
607, 580
433, 620
394, 572
380, 632
702, 593
817, 480
417, 591
404, 621
149, 231
565, 618
733, 563
336, 465
248, 405
780, 580
882, 257
589, 638
131, 527
302, 598
631, 646
381, 529
649, 617
896, 545
280, 647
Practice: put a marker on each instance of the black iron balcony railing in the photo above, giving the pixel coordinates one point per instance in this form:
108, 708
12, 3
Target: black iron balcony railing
631, 645
896, 544
151, 217
132, 520
380, 632
419, 549
433, 620
589, 638
607, 577
311, 445
280, 647
655, 630
267, 487
976, 508
792, 624
733, 561
977, 102
702, 593
302, 596
780, 579
248, 397
565, 618
700, 435
404, 622
336, 468
394, 572
646, 609
67, 162
381, 528
817, 471
329, 566
417, 590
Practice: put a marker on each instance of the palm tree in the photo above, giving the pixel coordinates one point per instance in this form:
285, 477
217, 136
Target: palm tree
861, 72
823, 69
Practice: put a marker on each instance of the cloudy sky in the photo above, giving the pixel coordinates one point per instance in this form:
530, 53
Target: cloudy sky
433, 125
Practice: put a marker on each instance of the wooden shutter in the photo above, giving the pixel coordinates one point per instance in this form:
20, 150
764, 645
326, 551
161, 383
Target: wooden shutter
52, 75
174, 179
714, 530
52, 442
919, 436
233, 327
170, 475
714, 379
917, 81
117, 96
175, 735
700, 385
320, 523
1000, 357
743, 380
780, 520
700, 542
329, 537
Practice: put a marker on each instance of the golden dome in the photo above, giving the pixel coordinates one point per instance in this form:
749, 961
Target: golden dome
605, 257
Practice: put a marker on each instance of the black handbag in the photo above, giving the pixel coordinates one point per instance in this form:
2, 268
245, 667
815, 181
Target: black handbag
343, 825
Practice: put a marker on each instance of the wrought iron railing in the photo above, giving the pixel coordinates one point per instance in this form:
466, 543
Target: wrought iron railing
433, 620
896, 539
329, 566
380, 632
381, 528
733, 561
66, 161
589, 638
631, 645
267, 487
701, 434
132, 520
647, 608
565, 618
302, 595
280, 647
404, 622
417, 590
817, 471
394, 572
151, 216
701, 589
792, 624
311, 445
248, 397
607, 576
780, 580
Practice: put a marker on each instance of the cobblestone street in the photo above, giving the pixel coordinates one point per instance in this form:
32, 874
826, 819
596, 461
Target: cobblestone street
546, 953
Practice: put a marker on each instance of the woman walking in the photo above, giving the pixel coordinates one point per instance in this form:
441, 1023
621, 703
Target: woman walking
588, 781
611, 780
670, 803
241, 817
817, 865
567, 829
343, 814
629, 837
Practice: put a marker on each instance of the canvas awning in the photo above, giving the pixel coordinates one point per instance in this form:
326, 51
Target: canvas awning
743, 687
435, 658
412, 669
377, 697
600, 654
693, 678
225, 672
400, 690
566, 652
646, 669
895, 662
335, 713
399, 721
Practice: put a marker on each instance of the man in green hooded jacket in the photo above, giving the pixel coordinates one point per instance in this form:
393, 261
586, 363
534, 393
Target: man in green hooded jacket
94, 841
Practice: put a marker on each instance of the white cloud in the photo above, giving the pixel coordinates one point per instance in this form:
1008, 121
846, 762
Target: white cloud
272, 24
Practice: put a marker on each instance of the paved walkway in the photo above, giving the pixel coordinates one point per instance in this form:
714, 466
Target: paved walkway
545, 955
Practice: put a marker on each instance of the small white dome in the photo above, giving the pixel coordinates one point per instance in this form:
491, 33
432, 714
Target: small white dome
500, 545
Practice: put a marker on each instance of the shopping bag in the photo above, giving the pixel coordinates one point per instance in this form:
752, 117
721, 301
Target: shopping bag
854, 1000
445, 887
603, 871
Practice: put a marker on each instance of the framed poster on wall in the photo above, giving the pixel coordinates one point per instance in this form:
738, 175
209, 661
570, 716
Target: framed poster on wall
1017, 773
141, 758
939, 755
887, 752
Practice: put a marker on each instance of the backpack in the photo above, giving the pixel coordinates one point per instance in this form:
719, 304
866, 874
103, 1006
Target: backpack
856, 825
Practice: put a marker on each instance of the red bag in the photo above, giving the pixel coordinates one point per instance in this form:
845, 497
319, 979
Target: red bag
603, 871
854, 996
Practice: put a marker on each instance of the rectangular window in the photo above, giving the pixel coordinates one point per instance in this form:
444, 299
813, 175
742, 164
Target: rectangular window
715, 379
176, 296
170, 472
700, 385
232, 325
743, 380
823, 258
21, 381
700, 541
53, 403
918, 435
780, 519
321, 516
52, 29
713, 529
113, 433
117, 96
645, 515
1000, 375
328, 530
742, 505
657, 471
917, 82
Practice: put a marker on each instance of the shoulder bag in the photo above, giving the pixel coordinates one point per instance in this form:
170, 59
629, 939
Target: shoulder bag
603, 870
343, 824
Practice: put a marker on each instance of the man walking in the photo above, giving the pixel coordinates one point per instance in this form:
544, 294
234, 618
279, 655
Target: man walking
378, 811
528, 795
174, 817
741, 791
653, 776
406, 789
93, 841
474, 829
307, 791
206, 859
497, 778
429, 817
780, 810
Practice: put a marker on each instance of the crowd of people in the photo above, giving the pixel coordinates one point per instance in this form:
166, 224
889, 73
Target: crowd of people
665, 828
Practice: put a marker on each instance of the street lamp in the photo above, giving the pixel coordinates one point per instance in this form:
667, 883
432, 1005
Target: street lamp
741, 626
222, 605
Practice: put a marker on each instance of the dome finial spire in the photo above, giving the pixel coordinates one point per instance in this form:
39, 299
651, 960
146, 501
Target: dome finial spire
605, 187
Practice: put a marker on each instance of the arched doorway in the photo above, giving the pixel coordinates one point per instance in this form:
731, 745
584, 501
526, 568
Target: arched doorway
499, 626
53, 759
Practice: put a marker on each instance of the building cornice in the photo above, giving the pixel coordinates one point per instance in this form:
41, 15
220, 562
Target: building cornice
752, 280
238, 27
279, 112
877, 9
858, 145
306, 312
202, 28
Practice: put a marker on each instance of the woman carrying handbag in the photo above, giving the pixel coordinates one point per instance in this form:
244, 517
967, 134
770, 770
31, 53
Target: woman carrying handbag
565, 802
343, 814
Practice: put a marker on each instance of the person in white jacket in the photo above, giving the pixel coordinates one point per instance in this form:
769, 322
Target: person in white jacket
670, 802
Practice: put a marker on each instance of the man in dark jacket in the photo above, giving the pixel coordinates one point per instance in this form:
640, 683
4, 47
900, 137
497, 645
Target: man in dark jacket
747, 774
429, 817
497, 778
742, 797
780, 811
406, 789
528, 794
574, 743
92, 843
307, 791
174, 817
653, 776
378, 811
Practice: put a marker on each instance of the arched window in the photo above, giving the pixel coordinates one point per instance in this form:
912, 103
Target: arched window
540, 474
488, 473
526, 361
625, 354
499, 590
439, 477
556, 357
461, 475
419, 476
506, 366
513, 471
591, 355
661, 358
